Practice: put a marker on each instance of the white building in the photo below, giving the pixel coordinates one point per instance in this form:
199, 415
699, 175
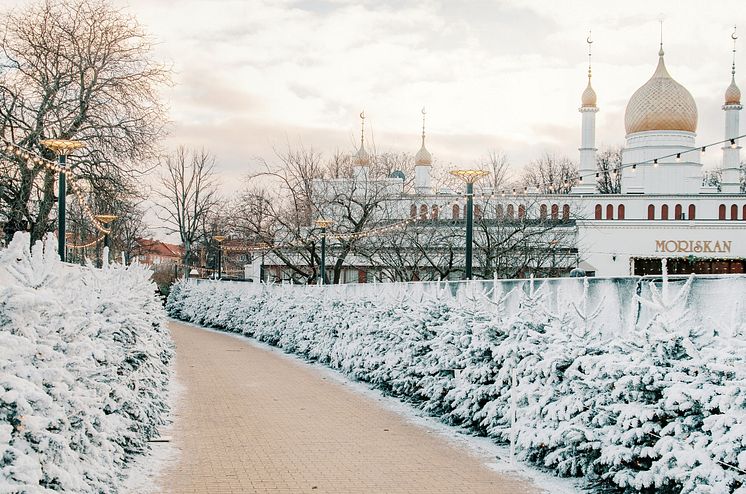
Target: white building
663, 210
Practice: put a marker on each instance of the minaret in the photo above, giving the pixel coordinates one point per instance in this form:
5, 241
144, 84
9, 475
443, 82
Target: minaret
422, 164
361, 160
731, 179
587, 184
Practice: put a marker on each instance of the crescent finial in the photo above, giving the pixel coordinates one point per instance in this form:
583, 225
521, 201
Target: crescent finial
734, 36
423, 110
362, 114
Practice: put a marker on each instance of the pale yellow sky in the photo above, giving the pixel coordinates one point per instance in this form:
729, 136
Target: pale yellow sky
507, 75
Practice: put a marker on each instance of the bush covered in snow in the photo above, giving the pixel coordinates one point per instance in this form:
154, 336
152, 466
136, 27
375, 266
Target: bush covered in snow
658, 405
83, 370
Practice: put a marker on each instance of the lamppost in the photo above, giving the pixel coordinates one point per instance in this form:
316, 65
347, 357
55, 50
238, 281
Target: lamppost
61, 147
323, 224
469, 176
106, 220
219, 239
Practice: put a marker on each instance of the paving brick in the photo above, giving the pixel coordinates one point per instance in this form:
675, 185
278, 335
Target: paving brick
251, 421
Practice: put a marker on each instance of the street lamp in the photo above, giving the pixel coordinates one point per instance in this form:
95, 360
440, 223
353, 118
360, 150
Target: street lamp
106, 220
323, 224
61, 147
219, 239
469, 176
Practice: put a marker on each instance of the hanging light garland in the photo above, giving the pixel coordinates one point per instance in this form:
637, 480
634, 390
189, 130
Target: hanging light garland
34, 159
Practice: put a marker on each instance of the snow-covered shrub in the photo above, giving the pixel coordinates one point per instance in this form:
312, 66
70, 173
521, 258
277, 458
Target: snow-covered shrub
641, 394
83, 370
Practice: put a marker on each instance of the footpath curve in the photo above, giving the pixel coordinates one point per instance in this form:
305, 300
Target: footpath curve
251, 421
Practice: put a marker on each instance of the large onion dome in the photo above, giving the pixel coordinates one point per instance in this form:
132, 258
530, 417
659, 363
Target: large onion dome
661, 104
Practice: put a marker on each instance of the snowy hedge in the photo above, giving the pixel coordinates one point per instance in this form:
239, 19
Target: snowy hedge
656, 405
83, 371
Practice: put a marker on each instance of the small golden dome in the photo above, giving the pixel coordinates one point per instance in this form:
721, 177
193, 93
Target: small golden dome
661, 104
588, 99
361, 157
423, 157
733, 94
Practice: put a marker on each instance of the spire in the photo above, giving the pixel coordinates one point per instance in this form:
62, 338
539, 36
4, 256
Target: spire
423, 157
660, 51
588, 99
733, 93
361, 158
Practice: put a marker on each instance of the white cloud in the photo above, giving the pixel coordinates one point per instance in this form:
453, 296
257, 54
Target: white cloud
251, 75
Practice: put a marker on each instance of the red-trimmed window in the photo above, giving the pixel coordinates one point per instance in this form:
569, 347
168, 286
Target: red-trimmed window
651, 211
609, 211
598, 211
692, 211
521, 212
423, 212
543, 212
721, 212
677, 212
555, 212
435, 212
500, 212
664, 212
566, 212
456, 211
734, 212
511, 212
620, 212
413, 211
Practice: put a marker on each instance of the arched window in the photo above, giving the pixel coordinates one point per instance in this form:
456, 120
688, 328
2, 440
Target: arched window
734, 212
522, 212
664, 212
543, 212
456, 212
692, 211
499, 212
555, 212
677, 212
477, 212
566, 212
609, 211
598, 211
743, 217
413, 211
651, 211
511, 212
620, 212
721, 212
435, 211
423, 212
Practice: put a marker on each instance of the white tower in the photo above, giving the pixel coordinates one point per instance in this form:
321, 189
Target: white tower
731, 179
361, 160
587, 183
422, 164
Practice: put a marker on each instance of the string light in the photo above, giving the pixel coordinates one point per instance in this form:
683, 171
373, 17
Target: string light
84, 246
678, 157
733, 143
655, 162
33, 159
704, 149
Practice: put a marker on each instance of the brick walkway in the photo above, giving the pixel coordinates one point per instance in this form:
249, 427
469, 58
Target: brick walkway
253, 421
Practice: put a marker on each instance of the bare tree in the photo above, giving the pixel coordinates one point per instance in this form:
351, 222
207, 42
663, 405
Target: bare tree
551, 174
75, 69
188, 194
609, 171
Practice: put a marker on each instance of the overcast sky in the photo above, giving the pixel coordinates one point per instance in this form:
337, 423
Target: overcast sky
493, 75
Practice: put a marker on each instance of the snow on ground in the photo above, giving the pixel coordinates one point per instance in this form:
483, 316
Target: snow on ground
647, 392
492, 455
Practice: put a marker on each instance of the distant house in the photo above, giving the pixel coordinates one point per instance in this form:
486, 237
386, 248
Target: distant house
154, 252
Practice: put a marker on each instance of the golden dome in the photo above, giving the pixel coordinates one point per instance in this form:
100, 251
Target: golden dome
361, 157
733, 94
588, 99
423, 157
661, 104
